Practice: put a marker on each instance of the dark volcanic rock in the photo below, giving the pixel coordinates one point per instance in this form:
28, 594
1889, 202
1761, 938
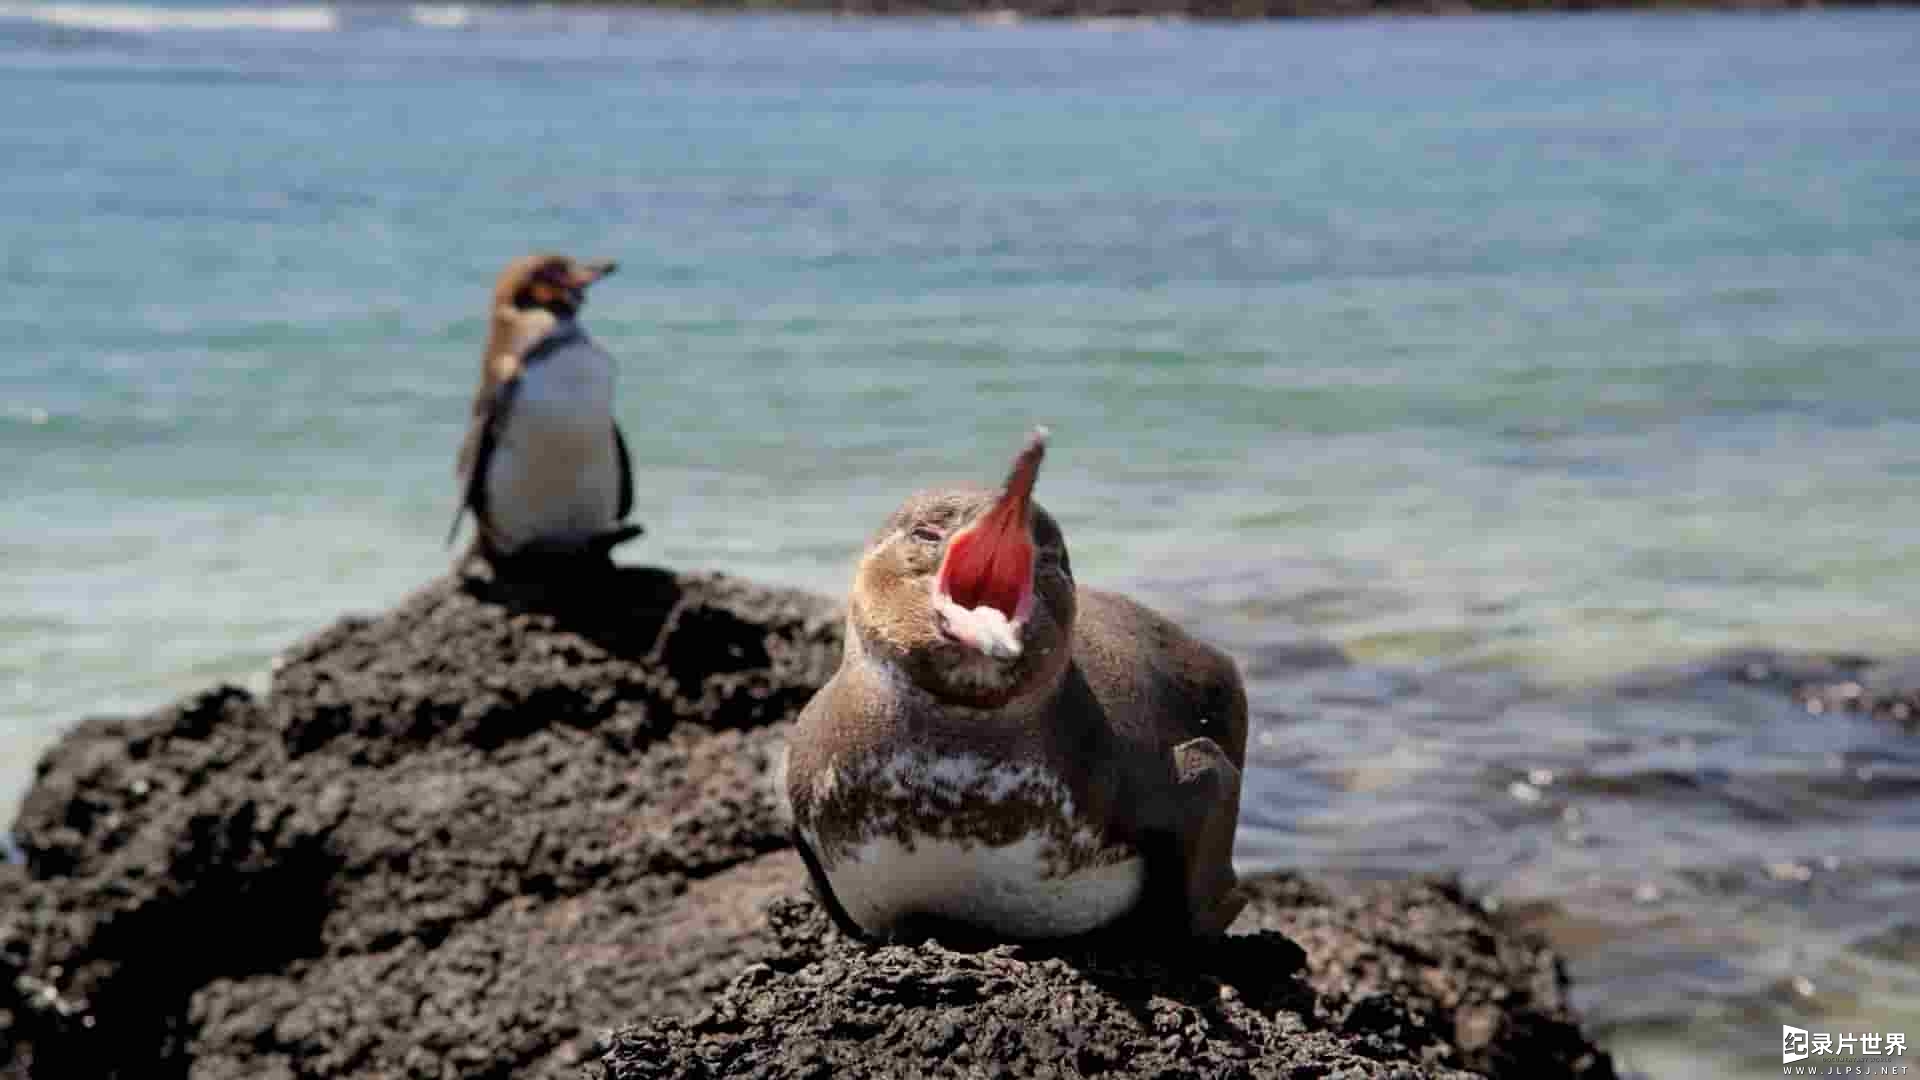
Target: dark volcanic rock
1402, 981
464, 838
1420, 961
1887, 689
451, 840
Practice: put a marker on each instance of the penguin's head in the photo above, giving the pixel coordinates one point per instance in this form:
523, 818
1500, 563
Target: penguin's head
552, 283
969, 592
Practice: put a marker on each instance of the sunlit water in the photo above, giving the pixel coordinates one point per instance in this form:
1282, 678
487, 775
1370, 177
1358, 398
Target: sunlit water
1509, 355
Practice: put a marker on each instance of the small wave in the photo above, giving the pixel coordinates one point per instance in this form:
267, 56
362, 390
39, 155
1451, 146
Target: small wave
129, 18
1120, 23
441, 16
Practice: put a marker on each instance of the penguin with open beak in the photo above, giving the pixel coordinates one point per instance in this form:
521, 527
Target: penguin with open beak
544, 468
1003, 749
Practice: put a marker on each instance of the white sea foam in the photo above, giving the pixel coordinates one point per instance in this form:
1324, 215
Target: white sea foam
1121, 23
131, 18
441, 16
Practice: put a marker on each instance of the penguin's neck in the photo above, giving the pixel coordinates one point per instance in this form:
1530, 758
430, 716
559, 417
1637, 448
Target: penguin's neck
512, 333
553, 345
892, 680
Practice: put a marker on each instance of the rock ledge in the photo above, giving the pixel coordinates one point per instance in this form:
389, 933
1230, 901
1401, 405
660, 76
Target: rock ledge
465, 837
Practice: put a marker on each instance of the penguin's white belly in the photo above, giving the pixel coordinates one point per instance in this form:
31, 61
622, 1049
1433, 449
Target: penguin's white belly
1012, 889
921, 848
555, 472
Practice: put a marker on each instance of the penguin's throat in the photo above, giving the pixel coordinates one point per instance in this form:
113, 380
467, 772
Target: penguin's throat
984, 591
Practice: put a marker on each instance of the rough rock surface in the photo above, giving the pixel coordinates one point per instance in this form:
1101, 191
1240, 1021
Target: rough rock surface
1889, 689
1394, 981
464, 838
451, 841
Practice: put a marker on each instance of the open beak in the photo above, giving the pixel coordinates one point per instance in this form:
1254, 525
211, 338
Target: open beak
984, 591
572, 286
584, 274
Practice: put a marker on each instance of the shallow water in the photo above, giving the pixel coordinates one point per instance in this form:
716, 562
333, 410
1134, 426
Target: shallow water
1510, 355
1713, 859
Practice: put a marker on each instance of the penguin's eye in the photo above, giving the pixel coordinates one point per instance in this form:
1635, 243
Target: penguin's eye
927, 534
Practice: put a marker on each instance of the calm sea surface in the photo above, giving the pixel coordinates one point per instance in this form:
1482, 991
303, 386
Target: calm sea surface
1511, 356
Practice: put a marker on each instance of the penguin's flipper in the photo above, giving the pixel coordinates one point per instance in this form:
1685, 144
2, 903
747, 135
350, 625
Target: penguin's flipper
1207, 787
490, 411
625, 505
1184, 825
823, 891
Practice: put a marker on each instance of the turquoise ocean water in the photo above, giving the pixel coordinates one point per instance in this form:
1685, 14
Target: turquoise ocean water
1509, 355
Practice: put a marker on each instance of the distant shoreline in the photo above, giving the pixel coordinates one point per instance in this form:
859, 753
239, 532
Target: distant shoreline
1003, 11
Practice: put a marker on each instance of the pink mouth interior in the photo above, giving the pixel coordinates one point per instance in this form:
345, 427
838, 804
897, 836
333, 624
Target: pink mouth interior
989, 566
990, 563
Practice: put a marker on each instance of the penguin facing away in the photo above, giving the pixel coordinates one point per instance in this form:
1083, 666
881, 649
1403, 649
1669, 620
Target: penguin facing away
544, 468
1007, 751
